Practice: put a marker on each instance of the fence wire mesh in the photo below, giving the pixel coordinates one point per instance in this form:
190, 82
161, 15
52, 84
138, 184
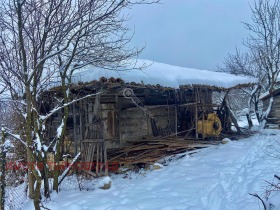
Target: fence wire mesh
17, 192
16, 197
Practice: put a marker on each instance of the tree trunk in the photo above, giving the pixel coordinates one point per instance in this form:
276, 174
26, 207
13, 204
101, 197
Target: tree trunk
57, 155
46, 177
37, 193
28, 134
266, 113
31, 178
256, 106
3, 172
254, 97
249, 119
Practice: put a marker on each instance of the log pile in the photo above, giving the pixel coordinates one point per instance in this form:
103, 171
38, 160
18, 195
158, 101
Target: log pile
150, 151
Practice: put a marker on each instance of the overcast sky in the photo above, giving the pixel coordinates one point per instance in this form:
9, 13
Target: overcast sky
191, 33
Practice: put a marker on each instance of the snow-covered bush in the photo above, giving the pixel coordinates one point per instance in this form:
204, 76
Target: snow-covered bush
271, 200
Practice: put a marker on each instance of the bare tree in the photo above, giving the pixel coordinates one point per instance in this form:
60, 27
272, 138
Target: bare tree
40, 40
245, 64
263, 44
262, 59
240, 63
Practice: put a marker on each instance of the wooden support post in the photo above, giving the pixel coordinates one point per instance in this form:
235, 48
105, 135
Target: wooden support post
101, 157
75, 130
176, 121
105, 158
97, 159
81, 124
92, 156
202, 123
195, 115
118, 116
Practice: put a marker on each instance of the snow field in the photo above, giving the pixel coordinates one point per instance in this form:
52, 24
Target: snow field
217, 178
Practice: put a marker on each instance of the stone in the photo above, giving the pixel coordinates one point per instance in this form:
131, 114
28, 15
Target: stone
105, 183
226, 141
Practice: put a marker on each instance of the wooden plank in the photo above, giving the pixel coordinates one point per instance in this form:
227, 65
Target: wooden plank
93, 140
92, 156
81, 124
101, 157
105, 158
97, 159
75, 130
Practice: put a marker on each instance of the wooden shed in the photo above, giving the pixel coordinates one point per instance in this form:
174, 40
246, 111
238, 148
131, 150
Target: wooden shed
165, 101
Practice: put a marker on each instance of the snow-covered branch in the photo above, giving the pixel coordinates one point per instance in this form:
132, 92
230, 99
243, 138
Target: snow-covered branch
56, 109
68, 168
15, 136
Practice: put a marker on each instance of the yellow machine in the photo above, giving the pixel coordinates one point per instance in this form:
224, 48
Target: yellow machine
211, 127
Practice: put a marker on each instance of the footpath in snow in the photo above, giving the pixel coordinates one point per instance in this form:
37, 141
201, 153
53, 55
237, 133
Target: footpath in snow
216, 178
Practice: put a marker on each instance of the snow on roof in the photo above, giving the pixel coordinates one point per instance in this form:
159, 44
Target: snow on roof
264, 95
165, 75
267, 94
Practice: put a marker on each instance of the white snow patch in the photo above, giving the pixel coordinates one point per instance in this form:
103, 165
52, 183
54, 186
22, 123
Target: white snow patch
165, 75
59, 129
274, 201
38, 142
45, 148
158, 164
265, 94
8, 144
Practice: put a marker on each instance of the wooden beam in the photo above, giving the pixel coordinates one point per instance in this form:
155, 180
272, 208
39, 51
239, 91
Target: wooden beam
176, 121
97, 159
195, 115
81, 124
105, 158
189, 104
75, 130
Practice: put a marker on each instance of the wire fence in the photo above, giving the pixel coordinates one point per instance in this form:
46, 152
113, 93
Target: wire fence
16, 189
16, 194
16, 197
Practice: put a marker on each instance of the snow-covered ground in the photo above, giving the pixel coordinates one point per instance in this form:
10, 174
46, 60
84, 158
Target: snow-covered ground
243, 123
217, 178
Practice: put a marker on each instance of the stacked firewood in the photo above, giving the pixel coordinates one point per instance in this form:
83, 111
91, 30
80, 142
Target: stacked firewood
150, 151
